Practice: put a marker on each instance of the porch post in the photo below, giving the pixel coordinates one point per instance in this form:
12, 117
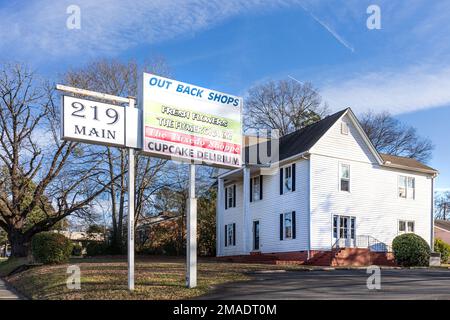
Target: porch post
219, 216
246, 237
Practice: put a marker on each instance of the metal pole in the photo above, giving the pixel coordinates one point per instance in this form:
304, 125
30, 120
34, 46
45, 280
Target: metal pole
191, 248
131, 173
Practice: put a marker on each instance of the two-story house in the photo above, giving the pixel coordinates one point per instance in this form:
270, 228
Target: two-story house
330, 189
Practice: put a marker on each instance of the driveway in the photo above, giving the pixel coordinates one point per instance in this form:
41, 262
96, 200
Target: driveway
339, 284
5, 293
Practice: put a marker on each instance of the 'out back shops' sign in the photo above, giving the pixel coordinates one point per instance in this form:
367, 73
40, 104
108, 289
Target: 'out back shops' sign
183, 121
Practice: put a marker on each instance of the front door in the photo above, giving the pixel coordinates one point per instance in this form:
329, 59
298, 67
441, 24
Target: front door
344, 231
256, 235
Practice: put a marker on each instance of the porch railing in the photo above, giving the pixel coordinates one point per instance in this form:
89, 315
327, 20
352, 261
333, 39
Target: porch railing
362, 241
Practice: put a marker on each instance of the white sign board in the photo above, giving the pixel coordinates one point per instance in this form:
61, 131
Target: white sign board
186, 122
92, 122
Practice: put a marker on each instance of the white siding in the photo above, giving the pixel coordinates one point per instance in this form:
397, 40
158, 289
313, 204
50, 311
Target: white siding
233, 215
373, 197
268, 210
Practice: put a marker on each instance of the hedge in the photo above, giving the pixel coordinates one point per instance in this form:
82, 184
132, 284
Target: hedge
411, 250
51, 248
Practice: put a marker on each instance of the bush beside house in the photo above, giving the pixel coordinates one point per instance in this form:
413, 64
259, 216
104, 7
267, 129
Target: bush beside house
411, 250
443, 248
51, 248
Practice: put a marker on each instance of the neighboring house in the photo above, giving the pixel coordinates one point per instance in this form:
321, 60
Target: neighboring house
330, 189
82, 238
442, 230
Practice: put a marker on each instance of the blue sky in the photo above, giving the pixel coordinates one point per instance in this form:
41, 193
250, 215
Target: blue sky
232, 45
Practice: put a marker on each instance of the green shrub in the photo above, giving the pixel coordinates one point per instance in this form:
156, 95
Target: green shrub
96, 248
77, 250
443, 248
50, 248
411, 250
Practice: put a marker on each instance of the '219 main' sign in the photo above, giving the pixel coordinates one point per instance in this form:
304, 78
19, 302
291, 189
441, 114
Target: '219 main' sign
184, 121
94, 122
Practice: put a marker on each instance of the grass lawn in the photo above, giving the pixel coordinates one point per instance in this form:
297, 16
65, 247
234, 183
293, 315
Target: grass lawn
156, 278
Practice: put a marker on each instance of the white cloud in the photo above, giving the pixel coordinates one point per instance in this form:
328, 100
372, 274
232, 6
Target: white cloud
112, 26
398, 91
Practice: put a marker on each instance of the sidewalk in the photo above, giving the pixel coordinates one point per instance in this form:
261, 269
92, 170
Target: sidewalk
6, 294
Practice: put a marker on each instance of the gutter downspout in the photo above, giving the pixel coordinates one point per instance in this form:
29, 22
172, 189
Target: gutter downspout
432, 215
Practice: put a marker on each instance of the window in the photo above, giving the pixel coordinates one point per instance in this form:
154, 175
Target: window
405, 226
344, 183
344, 227
287, 179
406, 187
256, 188
287, 225
344, 128
230, 234
230, 197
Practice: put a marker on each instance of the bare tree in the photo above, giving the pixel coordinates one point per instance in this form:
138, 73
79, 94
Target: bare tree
442, 205
286, 105
59, 178
390, 136
121, 79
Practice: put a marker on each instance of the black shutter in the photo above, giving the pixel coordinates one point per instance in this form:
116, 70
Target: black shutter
294, 226
281, 226
234, 196
226, 198
281, 180
293, 177
260, 187
226, 229
234, 234
251, 189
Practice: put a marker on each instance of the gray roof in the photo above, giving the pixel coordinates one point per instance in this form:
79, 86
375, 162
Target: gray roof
303, 139
443, 224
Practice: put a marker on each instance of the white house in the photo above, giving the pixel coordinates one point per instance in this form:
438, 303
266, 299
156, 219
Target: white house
329, 189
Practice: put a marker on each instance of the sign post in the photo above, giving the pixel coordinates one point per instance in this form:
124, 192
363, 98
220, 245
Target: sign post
105, 124
131, 185
191, 248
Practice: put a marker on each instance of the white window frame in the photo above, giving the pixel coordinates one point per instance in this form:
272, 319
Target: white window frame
341, 164
230, 195
287, 179
407, 224
230, 235
285, 232
256, 196
409, 192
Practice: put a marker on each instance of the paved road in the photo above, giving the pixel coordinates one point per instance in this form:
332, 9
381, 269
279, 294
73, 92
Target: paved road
6, 294
339, 284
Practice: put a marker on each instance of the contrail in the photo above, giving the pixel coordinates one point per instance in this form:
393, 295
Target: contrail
328, 28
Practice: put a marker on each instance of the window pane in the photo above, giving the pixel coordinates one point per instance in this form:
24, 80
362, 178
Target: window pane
288, 225
411, 188
335, 220
410, 182
401, 226
345, 185
410, 226
352, 228
345, 171
230, 197
256, 188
